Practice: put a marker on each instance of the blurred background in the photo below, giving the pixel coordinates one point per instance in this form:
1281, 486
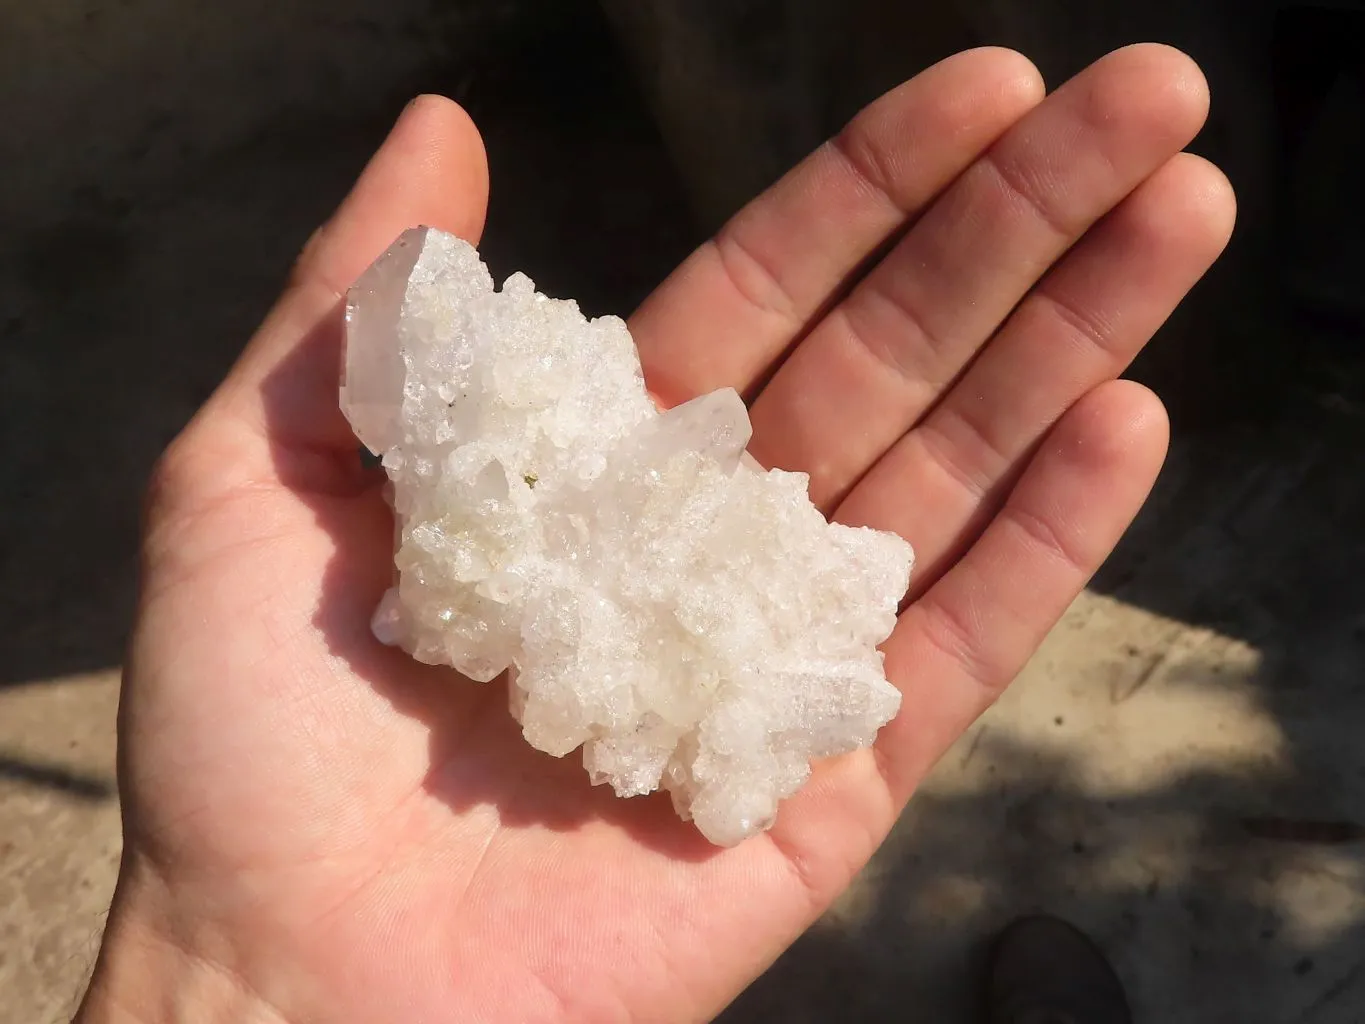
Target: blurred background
1178, 771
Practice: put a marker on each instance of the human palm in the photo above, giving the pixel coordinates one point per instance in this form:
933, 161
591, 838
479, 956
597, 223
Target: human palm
319, 828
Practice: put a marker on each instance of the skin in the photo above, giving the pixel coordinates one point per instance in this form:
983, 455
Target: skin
928, 316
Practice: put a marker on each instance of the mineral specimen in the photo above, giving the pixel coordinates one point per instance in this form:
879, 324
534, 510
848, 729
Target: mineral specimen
688, 619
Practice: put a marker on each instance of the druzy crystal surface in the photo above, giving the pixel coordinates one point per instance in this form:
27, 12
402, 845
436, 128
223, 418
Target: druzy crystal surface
686, 618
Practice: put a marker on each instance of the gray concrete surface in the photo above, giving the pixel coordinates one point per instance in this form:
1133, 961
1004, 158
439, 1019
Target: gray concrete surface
1178, 770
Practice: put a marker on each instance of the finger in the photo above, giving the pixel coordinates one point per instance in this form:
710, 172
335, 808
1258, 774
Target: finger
739, 301
1083, 325
430, 170
889, 351
961, 644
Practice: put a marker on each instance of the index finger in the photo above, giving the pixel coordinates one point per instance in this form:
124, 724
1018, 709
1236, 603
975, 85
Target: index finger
737, 303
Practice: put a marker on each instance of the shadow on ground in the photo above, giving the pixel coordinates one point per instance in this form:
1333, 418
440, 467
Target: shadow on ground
1219, 934
151, 215
1229, 888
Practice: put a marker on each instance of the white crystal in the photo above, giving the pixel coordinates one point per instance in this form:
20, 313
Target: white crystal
688, 619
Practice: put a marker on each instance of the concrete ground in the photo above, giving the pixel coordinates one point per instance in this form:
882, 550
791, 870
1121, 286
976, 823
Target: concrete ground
1177, 771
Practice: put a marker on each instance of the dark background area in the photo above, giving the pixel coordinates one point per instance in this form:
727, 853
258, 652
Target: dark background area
162, 164
126, 305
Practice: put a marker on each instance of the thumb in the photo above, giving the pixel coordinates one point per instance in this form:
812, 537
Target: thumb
431, 170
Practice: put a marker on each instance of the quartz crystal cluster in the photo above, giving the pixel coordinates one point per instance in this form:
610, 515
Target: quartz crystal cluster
687, 619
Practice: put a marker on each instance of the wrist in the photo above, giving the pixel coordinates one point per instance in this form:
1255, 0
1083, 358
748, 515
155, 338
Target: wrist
143, 976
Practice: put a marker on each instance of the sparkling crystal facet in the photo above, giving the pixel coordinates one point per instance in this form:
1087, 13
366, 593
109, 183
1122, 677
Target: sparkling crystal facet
686, 618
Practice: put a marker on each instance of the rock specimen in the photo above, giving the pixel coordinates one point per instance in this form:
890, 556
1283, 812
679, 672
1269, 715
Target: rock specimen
688, 619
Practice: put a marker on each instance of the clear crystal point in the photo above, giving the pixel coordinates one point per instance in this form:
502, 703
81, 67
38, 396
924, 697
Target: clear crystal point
373, 370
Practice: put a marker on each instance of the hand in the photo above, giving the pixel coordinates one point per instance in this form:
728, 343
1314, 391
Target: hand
318, 828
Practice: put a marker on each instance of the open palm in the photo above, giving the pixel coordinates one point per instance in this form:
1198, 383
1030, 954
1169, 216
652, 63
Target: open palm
927, 316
